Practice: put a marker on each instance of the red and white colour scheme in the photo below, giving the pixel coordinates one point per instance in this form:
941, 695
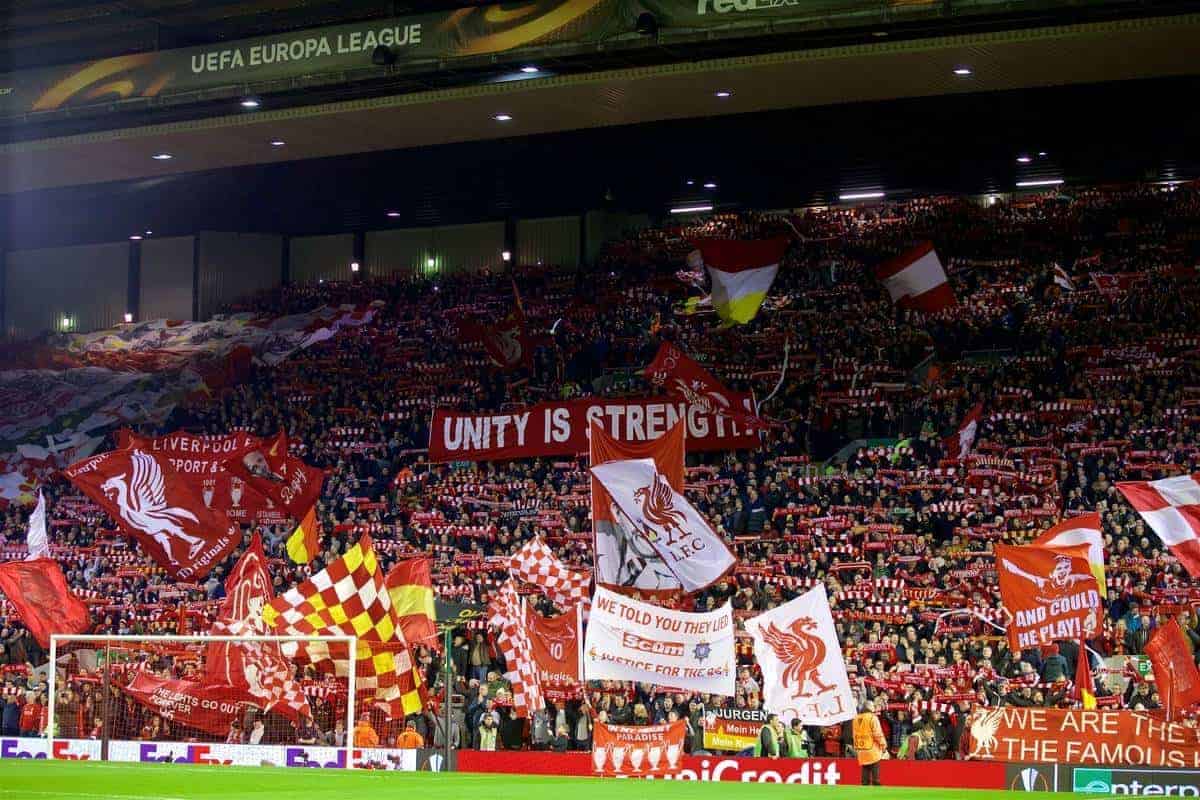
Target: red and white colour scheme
508, 613
915, 279
959, 445
1171, 507
535, 563
160, 508
628, 640
804, 674
637, 750
648, 505
1051, 594
556, 644
1083, 529
680, 376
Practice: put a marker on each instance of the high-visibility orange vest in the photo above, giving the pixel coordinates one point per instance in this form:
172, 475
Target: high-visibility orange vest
868, 738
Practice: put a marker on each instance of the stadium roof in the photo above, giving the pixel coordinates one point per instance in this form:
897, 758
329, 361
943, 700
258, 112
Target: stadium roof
1114, 50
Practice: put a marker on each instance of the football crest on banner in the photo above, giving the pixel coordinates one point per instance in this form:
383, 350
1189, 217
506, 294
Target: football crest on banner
802, 653
142, 503
658, 507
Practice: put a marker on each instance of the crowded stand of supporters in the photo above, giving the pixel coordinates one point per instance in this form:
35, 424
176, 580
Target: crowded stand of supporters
900, 447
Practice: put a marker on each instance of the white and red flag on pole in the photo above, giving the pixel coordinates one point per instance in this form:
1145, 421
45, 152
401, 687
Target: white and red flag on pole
661, 516
915, 279
535, 563
804, 673
507, 612
1083, 529
158, 507
36, 538
960, 443
1171, 507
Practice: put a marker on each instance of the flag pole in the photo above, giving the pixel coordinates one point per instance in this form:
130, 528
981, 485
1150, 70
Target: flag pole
446, 665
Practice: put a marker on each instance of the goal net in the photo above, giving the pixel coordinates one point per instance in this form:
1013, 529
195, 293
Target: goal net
248, 700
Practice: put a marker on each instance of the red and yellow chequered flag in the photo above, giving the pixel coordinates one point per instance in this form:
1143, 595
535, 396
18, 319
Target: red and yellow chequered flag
349, 598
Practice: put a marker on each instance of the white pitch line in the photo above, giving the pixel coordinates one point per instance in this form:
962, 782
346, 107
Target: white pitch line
24, 792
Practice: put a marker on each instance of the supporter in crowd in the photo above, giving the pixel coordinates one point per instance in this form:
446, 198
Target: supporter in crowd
1083, 385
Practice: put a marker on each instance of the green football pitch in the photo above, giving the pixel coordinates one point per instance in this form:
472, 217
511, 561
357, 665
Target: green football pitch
44, 780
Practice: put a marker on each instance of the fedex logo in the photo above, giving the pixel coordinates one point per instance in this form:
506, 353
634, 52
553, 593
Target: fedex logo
192, 754
635, 642
13, 748
298, 757
62, 750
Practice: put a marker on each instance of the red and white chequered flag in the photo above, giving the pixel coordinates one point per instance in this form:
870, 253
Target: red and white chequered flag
535, 563
1171, 507
507, 612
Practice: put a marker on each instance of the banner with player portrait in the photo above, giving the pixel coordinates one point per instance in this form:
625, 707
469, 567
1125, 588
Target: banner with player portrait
1050, 592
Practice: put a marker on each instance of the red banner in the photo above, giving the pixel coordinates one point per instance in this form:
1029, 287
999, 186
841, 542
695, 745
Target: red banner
1051, 593
204, 708
204, 457
38, 591
1067, 736
556, 645
159, 508
637, 750
560, 429
682, 377
802, 771
1175, 672
285, 480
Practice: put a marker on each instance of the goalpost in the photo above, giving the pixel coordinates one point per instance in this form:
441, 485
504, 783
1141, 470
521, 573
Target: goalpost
247, 700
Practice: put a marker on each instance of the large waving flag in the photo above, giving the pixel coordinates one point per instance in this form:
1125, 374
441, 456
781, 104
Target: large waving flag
682, 377
1083, 529
38, 591
1175, 673
506, 611
535, 563
410, 584
915, 279
349, 598
36, 539
651, 507
1171, 507
742, 272
804, 674
303, 545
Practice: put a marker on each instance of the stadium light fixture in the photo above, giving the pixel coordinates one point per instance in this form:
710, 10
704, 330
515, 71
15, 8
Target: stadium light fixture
66, 321
502, 117
861, 196
136, 237
250, 103
128, 317
530, 69
506, 256
963, 72
1042, 154
723, 93
690, 182
431, 262
393, 214
710, 185
162, 156
1045, 182
691, 209
1023, 159
149, 233
278, 143
354, 266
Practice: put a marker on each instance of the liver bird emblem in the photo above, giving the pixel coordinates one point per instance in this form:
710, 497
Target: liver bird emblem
658, 508
143, 505
802, 653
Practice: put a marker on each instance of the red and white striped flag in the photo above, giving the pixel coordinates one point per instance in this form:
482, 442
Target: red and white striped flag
959, 445
915, 279
1171, 507
535, 563
507, 612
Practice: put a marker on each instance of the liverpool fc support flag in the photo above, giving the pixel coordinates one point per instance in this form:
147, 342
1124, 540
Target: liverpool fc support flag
37, 540
804, 674
1051, 594
410, 584
506, 611
285, 480
159, 508
960, 443
349, 598
650, 507
1083, 529
1171, 507
38, 590
304, 543
742, 272
915, 279
1175, 673
534, 563
680, 376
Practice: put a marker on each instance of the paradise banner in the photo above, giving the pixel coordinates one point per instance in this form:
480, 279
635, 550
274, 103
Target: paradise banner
733, 729
561, 429
628, 640
1072, 736
637, 749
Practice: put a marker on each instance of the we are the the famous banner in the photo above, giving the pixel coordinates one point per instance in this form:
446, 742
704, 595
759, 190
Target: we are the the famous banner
561, 429
1072, 736
628, 640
